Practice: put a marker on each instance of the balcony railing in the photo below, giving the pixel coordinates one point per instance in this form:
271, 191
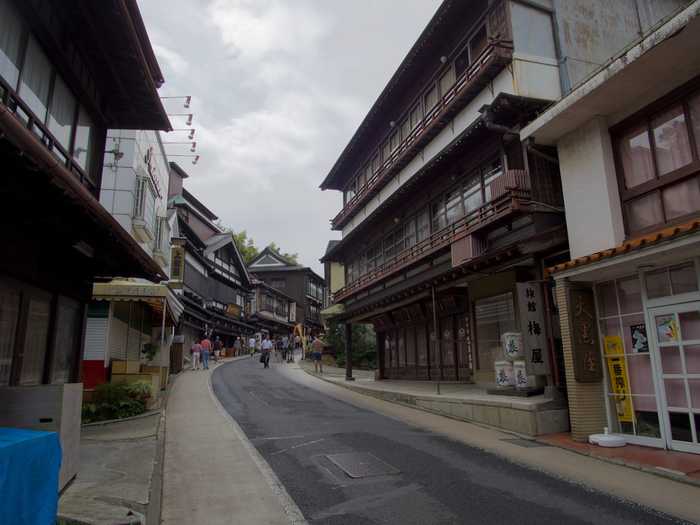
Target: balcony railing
16, 105
509, 192
494, 56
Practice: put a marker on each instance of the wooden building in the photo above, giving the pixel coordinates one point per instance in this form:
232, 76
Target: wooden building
68, 71
301, 283
448, 219
208, 269
272, 310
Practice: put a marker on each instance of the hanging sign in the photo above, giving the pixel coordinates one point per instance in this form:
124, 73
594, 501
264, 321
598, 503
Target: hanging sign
584, 336
619, 383
532, 324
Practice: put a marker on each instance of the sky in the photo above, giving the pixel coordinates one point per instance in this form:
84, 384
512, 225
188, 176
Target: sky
278, 88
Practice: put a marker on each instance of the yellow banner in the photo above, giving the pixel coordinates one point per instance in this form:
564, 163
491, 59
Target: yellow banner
619, 385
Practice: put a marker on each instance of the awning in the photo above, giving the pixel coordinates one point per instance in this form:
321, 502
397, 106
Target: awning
154, 294
332, 311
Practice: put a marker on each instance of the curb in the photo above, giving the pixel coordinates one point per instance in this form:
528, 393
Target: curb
132, 418
293, 512
406, 403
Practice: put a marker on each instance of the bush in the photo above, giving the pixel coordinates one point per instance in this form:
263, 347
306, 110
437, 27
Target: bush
140, 390
364, 345
114, 401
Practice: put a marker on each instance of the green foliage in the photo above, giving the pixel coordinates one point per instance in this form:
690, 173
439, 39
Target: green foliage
113, 401
290, 257
140, 390
364, 344
246, 246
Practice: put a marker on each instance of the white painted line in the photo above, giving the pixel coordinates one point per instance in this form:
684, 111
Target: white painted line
291, 509
296, 446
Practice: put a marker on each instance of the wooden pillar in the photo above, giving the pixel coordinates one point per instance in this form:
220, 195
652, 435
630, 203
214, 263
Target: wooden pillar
381, 337
348, 352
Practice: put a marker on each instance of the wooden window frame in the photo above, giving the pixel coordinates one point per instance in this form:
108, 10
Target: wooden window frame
645, 117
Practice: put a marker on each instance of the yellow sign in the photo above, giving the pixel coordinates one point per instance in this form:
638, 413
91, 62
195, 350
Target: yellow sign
177, 264
619, 384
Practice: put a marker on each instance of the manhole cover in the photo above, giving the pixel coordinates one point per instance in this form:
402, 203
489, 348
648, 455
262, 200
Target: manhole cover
362, 464
526, 443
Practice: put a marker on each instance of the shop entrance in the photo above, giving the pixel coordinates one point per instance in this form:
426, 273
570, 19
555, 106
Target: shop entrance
676, 343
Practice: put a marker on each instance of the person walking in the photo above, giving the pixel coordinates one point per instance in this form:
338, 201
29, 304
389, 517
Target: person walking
251, 345
195, 352
218, 346
206, 352
237, 346
266, 349
285, 349
316, 354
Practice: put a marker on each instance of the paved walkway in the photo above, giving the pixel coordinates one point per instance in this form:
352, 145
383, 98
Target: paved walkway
212, 474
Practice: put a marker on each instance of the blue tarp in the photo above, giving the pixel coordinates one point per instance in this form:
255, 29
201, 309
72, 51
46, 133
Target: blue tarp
29, 465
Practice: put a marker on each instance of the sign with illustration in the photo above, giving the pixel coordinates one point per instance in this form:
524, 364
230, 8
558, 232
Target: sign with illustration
667, 329
512, 345
640, 343
504, 374
533, 328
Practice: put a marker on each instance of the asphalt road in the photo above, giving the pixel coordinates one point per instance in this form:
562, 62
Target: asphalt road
322, 449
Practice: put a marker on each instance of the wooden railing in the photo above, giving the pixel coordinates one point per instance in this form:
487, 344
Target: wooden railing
507, 192
422, 132
16, 105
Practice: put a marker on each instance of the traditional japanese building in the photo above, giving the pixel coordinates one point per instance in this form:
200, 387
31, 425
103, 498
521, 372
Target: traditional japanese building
299, 282
207, 269
628, 141
68, 71
449, 219
272, 310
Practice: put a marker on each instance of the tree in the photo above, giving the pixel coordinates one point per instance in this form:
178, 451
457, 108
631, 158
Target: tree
291, 257
364, 344
248, 250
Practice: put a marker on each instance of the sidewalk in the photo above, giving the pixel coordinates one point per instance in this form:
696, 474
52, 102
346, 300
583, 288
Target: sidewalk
212, 473
119, 479
423, 395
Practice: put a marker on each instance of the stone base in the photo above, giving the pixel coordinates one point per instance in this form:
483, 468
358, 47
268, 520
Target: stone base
517, 392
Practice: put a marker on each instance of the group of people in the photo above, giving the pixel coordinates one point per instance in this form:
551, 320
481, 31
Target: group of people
202, 350
284, 347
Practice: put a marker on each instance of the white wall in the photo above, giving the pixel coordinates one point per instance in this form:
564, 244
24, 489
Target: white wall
591, 195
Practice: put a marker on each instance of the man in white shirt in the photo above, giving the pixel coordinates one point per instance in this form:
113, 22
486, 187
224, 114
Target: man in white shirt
266, 351
251, 345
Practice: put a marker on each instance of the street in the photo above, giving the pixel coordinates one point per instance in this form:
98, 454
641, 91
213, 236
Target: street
343, 464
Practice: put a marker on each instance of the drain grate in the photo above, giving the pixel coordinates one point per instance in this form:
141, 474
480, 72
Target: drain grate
525, 443
362, 465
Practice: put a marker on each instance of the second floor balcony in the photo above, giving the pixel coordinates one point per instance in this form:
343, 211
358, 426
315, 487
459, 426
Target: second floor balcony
511, 193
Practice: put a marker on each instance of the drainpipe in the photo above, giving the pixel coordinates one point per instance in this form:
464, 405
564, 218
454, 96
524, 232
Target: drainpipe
348, 352
435, 330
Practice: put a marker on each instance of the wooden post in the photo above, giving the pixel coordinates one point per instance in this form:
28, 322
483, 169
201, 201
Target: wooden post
348, 352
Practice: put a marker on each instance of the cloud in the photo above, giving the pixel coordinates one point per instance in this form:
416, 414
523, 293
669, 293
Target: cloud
174, 61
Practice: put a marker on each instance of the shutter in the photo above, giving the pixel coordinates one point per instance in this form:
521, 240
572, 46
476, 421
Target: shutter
95, 339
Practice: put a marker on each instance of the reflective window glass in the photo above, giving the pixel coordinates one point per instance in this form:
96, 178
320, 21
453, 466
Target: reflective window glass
62, 113
35, 343
36, 80
671, 141
644, 212
682, 198
82, 148
11, 29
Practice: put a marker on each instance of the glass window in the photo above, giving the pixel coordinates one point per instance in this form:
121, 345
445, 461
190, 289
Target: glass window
491, 175
405, 129
684, 278
394, 141
36, 339
423, 226
630, 295
67, 344
635, 155
494, 316
477, 44
472, 195
11, 29
671, 141
682, 198
416, 117
607, 300
644, 212
694, 110
62, 113
453, 202
439, 221
447, 80
431, 99
9, 317
385, 152
36, 79
375, 164
82, 149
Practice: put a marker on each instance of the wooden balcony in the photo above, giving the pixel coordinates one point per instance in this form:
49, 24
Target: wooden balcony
13, 102
491, 61
510, 194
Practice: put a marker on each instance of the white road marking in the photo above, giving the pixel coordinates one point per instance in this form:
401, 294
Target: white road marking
297, 446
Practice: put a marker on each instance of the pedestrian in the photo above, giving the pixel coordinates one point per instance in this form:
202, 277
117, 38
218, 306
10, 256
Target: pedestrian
237, 346
218, 346
206, 352
286, 354
266, 349
251, 345
316, 354
195, 352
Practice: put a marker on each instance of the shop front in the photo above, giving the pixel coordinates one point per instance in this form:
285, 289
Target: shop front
647, 312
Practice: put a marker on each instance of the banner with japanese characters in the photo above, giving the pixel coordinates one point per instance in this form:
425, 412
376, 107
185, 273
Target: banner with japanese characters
619, 383
532, 325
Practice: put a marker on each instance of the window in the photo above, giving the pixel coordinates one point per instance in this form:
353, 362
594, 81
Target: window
447, 80
62, 114
394, 141
657, 157
431, 99
69, 315
423, 225
11, 29
416, 117
477, 44
145, 202
493, 317
36, 80
9, 318
472, 195
453, 206
375, 164
405, 128
279, 284
82, 147
386, 153
36, 339
438, 215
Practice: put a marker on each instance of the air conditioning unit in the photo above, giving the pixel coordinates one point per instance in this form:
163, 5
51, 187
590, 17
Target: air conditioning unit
466, 249
143, 219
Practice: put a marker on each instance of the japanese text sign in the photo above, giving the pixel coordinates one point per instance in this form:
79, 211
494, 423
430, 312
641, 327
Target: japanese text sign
532, 323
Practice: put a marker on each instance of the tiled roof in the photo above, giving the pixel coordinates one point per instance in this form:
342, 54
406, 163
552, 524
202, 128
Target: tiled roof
631, 245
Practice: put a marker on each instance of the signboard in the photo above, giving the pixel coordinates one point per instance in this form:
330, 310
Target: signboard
638, 333
619, 383
233, 310
533, 328
177, 264
584, 336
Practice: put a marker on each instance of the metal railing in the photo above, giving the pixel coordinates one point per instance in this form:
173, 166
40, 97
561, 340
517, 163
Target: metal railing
506, 191
415, 138
16, 105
